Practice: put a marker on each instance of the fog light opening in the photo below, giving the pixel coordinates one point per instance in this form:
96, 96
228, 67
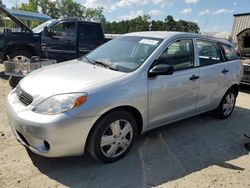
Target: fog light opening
46, 144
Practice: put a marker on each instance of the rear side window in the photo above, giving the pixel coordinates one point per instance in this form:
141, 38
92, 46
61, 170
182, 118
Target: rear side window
209, 53
230, 53
89, 33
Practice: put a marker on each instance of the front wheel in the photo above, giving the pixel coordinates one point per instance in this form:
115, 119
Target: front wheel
113, 136
227, 105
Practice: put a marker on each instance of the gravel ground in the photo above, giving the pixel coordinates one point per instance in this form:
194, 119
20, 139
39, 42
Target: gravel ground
198, 152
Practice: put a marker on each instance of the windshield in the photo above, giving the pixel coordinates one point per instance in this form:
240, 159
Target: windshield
126, 53
39, 28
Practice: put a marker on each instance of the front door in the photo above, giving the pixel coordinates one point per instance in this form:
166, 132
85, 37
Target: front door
172, 97
61, 44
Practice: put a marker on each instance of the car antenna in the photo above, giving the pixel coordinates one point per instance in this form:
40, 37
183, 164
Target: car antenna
205, 24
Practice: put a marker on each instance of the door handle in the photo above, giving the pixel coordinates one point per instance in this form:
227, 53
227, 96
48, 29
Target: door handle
224, 71
194, 77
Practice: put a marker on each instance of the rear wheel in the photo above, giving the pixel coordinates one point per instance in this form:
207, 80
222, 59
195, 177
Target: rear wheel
20, 55
227, 105
113, 136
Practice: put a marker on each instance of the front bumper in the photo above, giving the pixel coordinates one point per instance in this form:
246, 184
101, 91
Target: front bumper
48, 135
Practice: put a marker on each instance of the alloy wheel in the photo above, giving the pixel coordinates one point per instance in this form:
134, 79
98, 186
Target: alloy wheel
21, 58
228, 104
116, 138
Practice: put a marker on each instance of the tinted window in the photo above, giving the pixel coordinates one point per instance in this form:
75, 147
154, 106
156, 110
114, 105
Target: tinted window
229, 52
179, 54
64, 29
209, 53
89, 33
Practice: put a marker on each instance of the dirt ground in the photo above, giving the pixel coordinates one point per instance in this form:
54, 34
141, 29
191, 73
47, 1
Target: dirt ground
198, 152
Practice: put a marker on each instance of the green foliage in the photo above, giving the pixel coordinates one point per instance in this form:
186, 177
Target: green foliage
70, 8
64, 8
32, 6
142, 23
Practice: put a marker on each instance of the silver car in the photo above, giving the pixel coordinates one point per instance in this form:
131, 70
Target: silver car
101, 102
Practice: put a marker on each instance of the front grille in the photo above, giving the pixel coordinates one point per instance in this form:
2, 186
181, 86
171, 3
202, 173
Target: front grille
24, 97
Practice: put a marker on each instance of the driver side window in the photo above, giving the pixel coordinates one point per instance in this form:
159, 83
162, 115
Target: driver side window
64, 29
179, 54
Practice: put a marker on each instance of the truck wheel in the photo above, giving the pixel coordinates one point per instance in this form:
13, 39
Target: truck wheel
13, 81
20, 55
112, 137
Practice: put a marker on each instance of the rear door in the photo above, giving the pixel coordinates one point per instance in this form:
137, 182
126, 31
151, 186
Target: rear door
90, 36
214, 73
61, 45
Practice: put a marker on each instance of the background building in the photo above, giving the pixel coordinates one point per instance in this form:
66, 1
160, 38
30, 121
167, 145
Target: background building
224, 35
241, 23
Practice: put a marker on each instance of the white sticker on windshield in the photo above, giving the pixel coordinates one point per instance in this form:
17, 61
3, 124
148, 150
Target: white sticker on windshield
149, 41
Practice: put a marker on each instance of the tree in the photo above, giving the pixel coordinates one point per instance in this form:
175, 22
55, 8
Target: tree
1, 3
31, 6
92, 14
170, 23
69, 8
50, 8
142, 23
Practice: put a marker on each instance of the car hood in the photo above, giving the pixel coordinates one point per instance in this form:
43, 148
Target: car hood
67, 77
14, 19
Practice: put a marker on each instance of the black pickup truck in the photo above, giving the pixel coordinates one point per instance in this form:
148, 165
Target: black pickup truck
60, 39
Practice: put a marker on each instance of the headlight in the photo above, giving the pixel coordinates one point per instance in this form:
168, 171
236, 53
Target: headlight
60, 103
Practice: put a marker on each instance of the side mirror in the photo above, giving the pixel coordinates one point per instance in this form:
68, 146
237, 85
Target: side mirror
161, 69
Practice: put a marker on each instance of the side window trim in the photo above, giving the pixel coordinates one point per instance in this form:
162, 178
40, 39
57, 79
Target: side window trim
176, 40
211, 41
222, 52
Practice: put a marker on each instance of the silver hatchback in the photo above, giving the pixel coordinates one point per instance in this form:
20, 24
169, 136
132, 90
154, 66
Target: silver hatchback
101, 102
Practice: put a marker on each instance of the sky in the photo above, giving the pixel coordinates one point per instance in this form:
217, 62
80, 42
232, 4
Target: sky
210, 15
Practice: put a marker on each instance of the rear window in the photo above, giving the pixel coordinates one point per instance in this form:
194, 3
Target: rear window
209, 53
89, 32
230, 53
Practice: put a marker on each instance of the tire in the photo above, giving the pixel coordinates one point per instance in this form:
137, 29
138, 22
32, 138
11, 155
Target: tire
227, 104
13, 81
112, 137
20, 55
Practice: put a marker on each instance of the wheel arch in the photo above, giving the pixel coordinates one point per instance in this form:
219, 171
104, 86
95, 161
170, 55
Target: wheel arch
236, 88
12, 48
132, 110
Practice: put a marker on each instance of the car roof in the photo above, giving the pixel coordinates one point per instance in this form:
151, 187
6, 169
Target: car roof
168, 34
76, 19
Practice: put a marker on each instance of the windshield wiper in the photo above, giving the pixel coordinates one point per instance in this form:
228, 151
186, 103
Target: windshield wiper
89, 60
105, 64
